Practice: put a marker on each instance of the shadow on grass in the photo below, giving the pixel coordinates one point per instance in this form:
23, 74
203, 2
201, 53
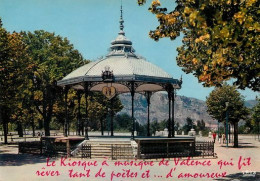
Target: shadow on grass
20, 159
242, 177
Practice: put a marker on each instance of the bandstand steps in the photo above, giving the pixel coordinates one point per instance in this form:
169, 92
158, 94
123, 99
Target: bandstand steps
103, 149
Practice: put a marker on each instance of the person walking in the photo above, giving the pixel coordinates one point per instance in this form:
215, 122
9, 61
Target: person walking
214, 135
223, 138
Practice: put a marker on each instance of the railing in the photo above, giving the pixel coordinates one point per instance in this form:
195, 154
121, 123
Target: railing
121, 152
148, 149
77, 149
57, 149
86, 151
46, 147
204, 148
30, 147
166, 150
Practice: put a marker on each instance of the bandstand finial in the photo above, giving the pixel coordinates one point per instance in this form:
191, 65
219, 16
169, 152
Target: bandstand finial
121, 19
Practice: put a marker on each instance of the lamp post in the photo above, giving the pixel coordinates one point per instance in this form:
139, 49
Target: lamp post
227, 103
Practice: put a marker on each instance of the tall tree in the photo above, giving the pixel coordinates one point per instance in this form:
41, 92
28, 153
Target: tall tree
189, 125
217, 108
13, 68
53, 57
221, 39
201, 125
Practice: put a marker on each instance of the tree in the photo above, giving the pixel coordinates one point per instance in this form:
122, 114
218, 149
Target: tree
154, 127
189, 125
201, 125
101, 107
53, 57
216, 103
221, 39
123, 122
13, 68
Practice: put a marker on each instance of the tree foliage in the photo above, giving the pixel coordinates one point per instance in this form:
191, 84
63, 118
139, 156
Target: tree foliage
221, 39
123, 122
201, 125
216, 103
217, 108
53, 57
14, 66
102, 109
189, 125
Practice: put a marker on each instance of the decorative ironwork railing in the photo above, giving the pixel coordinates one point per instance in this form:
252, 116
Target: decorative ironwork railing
86, 151
166, 150
204, 148
46, 147
174, 148
145, 150
121, 152
30, 147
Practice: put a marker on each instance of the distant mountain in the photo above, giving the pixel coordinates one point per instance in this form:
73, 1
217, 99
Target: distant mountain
250, 103
184, 107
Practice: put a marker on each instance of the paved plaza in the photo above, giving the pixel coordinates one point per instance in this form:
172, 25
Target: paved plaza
235, 164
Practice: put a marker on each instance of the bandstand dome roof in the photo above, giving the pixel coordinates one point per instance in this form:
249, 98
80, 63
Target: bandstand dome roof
121, 66
125, 65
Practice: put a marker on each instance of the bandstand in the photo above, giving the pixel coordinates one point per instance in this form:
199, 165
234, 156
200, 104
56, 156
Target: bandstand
121, 71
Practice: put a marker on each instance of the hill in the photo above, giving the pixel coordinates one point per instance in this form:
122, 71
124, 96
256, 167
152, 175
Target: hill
183, 107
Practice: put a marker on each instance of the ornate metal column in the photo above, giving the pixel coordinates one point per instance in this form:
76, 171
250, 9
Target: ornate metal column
173, 123
169, 121
102, 125
66, 89
148, 95
133, 119
229, 134
169, 90
111, 117
79, 113
86, 89
82, 127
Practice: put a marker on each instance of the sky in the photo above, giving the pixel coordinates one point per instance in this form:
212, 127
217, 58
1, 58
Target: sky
91, 25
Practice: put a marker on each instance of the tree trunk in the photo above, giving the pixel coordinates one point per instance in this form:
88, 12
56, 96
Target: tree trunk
82, 127
47, 119
235, 134
33, 127
5, 124
20, 129
40, 124
47, 126
102, 125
